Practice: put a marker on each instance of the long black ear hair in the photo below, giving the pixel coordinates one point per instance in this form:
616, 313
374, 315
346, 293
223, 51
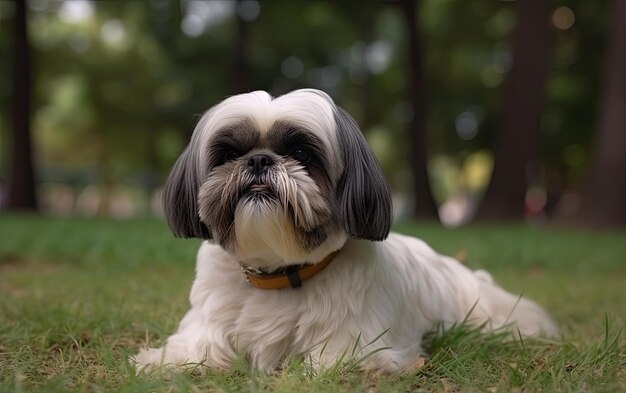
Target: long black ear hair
363, 193
180, 199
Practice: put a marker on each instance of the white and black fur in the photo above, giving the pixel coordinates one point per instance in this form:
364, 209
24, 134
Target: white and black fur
272, 182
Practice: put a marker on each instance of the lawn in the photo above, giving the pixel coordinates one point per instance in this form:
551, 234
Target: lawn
78, 296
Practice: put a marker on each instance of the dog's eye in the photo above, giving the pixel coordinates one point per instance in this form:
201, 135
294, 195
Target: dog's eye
301, 154
230, 155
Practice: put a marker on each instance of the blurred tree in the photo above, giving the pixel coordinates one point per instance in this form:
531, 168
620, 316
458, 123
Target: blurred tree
199, 62
117, 92
362, 14
424, 204
22, 179
571, 108
517, 140
241, 78
604, 196
106, 103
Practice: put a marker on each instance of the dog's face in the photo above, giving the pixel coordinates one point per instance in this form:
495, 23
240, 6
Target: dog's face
273, 180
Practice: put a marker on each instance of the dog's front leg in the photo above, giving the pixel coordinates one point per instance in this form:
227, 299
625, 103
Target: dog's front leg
196, 343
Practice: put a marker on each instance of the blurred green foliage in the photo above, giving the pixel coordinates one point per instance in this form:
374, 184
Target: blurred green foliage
119, 85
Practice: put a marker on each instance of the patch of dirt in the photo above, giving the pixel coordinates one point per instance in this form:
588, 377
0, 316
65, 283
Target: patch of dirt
11, 263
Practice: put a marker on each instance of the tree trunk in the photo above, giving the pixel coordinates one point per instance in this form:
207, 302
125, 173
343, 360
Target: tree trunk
517, 140
604, 196
241, 79
424, 203
366, 32
21, 180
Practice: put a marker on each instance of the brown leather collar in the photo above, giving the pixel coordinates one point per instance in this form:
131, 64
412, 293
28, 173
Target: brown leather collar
292, 276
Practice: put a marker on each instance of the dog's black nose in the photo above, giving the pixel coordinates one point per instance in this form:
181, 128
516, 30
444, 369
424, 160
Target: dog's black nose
259, 163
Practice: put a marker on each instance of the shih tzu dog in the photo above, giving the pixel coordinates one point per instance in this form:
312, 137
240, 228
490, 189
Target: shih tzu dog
298, 258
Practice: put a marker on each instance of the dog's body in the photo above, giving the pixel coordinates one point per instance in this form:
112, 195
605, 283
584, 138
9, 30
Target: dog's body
305, 185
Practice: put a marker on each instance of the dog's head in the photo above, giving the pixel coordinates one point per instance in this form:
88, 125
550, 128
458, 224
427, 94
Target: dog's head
273, 179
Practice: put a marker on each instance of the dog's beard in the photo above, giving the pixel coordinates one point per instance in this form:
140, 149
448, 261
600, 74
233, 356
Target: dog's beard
281, 214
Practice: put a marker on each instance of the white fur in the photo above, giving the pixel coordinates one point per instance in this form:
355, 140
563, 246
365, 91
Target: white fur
309, 108
400, 286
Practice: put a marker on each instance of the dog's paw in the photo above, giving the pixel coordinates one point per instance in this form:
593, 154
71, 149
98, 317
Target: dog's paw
149, 359
146, 359
415, 365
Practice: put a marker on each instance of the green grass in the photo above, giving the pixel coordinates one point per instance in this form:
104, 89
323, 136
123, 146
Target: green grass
78, 296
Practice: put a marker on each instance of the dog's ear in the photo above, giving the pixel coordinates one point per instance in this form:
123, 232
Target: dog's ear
180, 199
363, 193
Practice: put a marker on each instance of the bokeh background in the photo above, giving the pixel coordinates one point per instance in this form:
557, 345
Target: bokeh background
476, 109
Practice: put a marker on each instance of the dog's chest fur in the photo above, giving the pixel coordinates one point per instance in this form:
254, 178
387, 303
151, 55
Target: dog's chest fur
267, 325
324, 318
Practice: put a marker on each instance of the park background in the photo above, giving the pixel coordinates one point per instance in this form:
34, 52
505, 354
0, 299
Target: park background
99, 98
503, 119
